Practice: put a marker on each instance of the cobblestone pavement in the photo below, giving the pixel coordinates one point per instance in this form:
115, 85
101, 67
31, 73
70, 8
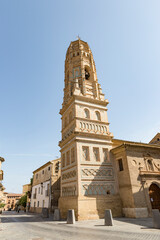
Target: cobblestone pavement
22, 226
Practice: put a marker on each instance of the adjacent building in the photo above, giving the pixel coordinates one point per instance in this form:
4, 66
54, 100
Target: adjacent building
27, 191
46, 187
137, 166
11, 200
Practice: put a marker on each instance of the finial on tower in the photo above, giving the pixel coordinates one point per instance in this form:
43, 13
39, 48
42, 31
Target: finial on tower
78, 37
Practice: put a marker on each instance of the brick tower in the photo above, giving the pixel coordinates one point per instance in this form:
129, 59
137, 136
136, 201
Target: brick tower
88, 183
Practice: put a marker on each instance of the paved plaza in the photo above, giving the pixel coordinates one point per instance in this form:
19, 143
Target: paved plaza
33, 227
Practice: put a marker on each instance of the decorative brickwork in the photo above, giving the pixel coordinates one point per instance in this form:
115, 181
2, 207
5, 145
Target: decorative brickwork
98, 189
69, 175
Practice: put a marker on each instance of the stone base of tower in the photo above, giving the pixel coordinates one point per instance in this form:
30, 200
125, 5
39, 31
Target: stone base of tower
66, 203
89, 208
94, 207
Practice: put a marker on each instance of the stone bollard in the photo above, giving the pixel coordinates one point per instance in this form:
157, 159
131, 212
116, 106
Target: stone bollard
108, 221
70, 217
45, 212
56, 215
156, 218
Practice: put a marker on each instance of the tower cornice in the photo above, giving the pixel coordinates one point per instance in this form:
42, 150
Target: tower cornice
83, 99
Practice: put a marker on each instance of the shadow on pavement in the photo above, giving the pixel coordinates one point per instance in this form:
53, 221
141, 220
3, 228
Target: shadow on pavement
144, 222
8, 217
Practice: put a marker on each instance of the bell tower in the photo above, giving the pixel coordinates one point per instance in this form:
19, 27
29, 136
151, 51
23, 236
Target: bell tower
88, 183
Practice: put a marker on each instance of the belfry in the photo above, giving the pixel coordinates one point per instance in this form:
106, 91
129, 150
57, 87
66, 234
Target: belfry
88, 182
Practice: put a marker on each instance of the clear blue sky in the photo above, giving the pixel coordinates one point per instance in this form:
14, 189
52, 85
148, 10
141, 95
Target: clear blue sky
124, 37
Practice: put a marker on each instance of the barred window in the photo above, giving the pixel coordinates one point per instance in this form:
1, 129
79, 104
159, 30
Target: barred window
72, 155
63, 160
105, 154
68, 158
96, 154
85, 151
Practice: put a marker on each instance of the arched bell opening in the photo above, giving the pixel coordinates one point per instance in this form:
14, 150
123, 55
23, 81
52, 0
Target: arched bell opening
87, 73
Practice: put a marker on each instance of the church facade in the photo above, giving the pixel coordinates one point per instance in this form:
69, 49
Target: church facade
99, 172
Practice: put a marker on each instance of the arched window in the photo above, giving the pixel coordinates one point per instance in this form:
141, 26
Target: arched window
86, 113
98, 116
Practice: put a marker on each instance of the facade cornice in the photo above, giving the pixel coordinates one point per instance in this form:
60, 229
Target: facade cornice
134, 144
89, 135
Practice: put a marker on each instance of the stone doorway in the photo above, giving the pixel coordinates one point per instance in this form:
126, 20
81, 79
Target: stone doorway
154, 194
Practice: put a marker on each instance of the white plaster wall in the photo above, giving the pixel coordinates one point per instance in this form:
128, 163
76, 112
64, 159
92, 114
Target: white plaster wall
40, 197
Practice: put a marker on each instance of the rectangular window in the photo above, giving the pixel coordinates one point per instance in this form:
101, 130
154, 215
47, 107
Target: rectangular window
37, 176
42, 171
72, 155
43, 203
96, 154
63, 160
38, 204
105, 154
85, 153
120, 164
49, 168
42, 189
39, 190
68, 157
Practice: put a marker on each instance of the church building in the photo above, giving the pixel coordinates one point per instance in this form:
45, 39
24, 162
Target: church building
99, 172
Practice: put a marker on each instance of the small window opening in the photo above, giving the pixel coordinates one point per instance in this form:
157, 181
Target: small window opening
120, 163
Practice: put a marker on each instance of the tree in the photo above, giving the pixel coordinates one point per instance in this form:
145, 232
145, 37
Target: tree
2, 204
22, 201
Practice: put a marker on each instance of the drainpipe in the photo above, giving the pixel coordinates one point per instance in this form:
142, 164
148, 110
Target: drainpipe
49, 202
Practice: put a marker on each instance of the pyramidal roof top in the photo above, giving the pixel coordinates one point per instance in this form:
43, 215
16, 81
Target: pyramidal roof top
78, 44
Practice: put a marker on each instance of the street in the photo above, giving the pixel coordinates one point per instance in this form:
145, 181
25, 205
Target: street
18, 226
